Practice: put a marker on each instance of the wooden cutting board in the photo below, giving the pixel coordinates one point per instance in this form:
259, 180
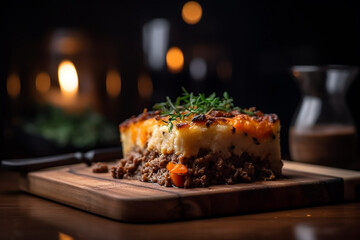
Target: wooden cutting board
135, 201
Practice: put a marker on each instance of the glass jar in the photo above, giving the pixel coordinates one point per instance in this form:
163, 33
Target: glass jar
322, 130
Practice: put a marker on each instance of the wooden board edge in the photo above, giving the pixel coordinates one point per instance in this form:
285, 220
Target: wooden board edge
351, 178
114, 208
192, 207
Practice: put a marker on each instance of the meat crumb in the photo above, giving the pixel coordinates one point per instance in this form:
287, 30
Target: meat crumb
208, 168
100, 168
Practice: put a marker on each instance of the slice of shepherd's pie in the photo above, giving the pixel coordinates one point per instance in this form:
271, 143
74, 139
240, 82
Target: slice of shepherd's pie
198, 141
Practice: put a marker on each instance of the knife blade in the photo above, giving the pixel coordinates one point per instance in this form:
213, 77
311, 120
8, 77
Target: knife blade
32, 164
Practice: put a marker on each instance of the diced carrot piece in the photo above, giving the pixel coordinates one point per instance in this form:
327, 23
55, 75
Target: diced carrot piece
177, 168
170, 166
177, 179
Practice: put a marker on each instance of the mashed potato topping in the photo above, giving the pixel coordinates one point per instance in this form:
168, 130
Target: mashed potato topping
258, 136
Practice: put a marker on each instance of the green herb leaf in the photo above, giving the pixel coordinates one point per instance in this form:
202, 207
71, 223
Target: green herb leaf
188, 104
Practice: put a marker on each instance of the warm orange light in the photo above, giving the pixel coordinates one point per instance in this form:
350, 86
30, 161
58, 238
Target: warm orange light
145, 86
296, 73
191, 12
68, 78
42, 82
68, 45
13, 85
175, 59
63, 236
113, 83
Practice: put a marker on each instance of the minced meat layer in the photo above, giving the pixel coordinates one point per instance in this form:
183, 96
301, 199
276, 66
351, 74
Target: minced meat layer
208, 168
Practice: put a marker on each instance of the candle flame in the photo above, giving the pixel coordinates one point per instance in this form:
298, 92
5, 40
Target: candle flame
68, 78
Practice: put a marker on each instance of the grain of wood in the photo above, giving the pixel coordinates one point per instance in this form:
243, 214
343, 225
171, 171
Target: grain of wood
135, 201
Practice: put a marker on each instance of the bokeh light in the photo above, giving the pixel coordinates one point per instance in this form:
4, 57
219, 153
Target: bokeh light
113, 83
191, 12
13, 85
42, 82
68, 77
175, 59
198, 69
145, 86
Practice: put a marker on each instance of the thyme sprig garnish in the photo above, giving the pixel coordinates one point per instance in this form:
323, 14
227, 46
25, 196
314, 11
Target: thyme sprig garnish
188, 104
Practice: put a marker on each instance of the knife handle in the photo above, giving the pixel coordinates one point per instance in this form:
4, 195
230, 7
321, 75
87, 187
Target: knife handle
31, 164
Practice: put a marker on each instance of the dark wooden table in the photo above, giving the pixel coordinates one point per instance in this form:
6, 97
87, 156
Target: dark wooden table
24, 216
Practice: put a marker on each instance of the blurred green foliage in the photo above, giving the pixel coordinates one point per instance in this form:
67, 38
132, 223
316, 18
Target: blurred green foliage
83, 130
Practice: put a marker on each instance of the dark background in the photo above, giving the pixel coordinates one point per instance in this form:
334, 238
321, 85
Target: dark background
262, 40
